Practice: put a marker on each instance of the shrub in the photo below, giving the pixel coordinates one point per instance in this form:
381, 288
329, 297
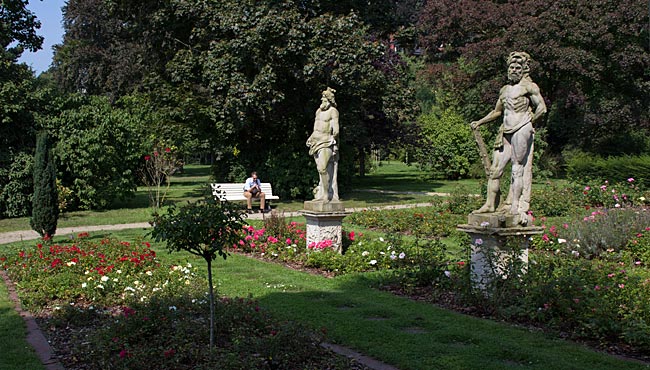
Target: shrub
283, 241
426, 222
605, 230
97, 151
611, 194
582, 167
554, 201
16, 195
589, 298
45, 203
448, 148
462, 202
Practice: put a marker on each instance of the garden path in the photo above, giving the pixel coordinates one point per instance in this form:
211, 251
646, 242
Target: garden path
16, 236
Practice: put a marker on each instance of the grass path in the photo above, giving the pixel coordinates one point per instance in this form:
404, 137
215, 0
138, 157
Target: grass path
15, 352
398, 331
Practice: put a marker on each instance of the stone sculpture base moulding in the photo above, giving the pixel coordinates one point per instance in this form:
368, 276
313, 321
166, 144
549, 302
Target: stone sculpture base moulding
325, 222
496, 240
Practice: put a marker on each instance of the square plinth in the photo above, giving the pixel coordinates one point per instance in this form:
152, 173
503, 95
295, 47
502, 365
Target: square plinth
320, 206
496, 219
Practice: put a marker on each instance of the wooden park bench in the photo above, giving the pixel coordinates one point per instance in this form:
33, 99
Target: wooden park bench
235, 192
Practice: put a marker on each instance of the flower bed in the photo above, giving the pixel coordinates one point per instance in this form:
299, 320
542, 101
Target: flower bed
587, 278
113, 304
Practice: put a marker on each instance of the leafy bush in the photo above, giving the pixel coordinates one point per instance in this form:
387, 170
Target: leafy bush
16, 195
285, 242
462, 202
554, 201
448, 148
612, 195
638, 248
424, 222
599, 233
583, 167
589, 298
97, 151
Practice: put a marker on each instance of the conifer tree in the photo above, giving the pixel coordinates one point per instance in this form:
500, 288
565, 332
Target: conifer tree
45, 209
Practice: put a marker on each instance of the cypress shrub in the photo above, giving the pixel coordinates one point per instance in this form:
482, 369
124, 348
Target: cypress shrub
589, 169
45, 202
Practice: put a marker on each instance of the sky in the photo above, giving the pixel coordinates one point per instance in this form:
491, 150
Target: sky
49, 13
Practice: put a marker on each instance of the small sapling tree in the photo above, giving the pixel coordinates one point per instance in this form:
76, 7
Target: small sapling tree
45, 201
204, 228
156, 172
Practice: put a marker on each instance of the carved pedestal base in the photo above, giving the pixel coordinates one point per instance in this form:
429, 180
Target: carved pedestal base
494, 249
325, 225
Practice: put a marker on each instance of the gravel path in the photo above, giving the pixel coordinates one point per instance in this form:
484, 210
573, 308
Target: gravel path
16, 236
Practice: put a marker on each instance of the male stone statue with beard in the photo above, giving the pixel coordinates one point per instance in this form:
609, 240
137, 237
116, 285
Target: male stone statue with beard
521, 105
323, 146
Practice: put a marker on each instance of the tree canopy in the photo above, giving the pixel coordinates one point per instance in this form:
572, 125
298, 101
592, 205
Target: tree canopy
247, 75
18, 102
592, 63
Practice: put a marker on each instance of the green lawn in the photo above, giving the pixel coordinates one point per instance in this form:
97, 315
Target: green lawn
398, 331
17, 354
404, 333
407, 334
192, 184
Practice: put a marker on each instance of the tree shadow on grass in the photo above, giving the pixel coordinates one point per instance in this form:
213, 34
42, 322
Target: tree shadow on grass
419, 335
377, 198
191, 171
396, 182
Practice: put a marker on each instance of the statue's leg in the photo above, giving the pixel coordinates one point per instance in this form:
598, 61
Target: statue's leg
522, 144
524, 199
322, 160
333, 171
499, 162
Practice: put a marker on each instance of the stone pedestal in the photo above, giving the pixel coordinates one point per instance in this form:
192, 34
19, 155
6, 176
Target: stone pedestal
497, 241
325, 222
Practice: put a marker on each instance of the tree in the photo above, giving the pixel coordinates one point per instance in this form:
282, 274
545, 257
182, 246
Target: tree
45, 208
592, 63
99, 54
203, 228
17, 102
248, 76
19, 25
257, 71
156, 172
446, 146
98, 150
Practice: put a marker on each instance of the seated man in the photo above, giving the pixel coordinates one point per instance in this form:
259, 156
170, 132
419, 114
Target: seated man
253, 189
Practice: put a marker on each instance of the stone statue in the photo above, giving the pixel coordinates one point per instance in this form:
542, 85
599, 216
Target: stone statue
323, 146
521, 105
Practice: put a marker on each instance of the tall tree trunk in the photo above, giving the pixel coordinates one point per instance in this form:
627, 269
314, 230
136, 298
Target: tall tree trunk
362, 162
209, 260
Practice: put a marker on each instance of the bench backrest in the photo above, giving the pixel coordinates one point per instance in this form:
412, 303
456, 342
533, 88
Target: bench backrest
236, 190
